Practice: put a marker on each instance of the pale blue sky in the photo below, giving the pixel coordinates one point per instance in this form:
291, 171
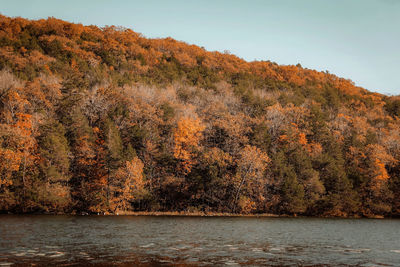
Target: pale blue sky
356, 39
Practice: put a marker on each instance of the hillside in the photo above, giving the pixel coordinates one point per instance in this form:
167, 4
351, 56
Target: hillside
105, 120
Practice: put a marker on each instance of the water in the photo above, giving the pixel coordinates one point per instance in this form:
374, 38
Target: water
197, 241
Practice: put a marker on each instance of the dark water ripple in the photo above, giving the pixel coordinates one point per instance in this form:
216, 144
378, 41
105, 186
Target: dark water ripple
197, 241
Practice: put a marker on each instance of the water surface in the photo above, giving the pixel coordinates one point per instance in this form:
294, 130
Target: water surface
197, 241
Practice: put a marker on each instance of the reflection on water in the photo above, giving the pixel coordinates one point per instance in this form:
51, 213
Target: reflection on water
197, 241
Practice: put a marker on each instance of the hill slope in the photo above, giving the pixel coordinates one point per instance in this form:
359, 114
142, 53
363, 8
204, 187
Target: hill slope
103, 119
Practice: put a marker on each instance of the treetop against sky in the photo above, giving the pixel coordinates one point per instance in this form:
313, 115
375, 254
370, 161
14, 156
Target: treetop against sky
355, 39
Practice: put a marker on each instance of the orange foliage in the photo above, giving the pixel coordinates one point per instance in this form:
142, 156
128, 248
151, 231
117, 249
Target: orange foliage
379, 159
103, 71
18, 153
295, 137
129, 184
120, 40
252, 164
187, 136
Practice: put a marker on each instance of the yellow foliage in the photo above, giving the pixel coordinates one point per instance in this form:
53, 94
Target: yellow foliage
253, 161
187, 136
130, 184
380, 171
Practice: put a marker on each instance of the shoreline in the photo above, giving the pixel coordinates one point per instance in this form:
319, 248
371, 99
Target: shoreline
199, 214
193, 214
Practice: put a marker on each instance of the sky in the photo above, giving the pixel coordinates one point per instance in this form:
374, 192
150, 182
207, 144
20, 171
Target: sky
354, 39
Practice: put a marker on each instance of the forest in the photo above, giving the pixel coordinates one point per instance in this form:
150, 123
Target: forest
105, 120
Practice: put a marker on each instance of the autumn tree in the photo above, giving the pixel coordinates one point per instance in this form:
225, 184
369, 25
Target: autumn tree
187, 137
128, 185
86, 113
250, 182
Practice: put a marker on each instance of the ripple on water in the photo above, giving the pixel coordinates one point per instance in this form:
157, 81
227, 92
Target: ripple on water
147, 245
165, 261
184, 247
192, 259
51, 246
374, 265
133, 241
276, 249
231, 262
56, 254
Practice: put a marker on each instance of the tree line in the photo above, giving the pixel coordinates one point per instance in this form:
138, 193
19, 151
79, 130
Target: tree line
105, 120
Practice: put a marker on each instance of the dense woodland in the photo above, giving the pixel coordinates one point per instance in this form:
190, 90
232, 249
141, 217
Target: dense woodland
104, 120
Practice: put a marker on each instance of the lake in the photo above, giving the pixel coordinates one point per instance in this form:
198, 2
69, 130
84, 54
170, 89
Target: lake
197, 241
